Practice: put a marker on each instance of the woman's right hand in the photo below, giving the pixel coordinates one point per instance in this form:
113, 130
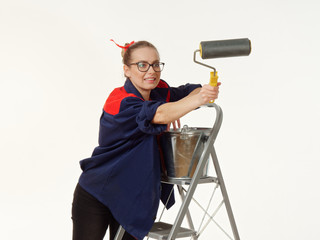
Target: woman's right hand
208, 93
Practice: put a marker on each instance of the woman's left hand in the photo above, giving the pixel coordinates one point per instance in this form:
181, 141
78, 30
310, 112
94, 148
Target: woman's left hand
175, 124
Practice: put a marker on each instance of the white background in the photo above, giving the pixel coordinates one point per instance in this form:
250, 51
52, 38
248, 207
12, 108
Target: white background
57, 67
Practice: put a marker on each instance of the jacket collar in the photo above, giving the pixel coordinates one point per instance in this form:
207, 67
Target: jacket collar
130, 88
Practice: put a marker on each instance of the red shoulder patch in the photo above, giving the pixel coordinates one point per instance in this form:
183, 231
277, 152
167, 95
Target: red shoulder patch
163, 84
112, 105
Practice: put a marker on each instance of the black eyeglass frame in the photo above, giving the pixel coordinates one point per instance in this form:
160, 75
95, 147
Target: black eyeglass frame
150, 65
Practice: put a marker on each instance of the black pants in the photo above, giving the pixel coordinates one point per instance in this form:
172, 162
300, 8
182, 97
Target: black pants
91, 218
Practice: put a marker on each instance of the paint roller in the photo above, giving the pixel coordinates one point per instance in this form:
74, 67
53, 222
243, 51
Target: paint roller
221, 49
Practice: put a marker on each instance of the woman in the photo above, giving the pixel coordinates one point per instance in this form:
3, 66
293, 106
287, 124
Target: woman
120, 182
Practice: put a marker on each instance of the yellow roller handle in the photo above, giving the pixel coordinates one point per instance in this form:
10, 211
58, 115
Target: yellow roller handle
213, 81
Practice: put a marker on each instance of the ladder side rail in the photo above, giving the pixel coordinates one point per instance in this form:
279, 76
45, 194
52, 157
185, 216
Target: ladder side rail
188, 215
120, 233
218, 121
195, 179
225, 195
220, 177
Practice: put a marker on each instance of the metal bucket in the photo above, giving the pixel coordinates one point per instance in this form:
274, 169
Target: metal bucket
182, 150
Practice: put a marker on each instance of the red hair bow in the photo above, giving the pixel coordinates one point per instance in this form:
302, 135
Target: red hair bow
124, 47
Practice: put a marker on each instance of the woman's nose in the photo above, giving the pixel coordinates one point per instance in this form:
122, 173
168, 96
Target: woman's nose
151, 69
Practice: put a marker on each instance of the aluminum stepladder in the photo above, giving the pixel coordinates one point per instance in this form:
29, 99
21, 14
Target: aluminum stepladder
164, 231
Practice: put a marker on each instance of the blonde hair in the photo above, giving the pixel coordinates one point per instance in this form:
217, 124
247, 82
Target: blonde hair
127, 53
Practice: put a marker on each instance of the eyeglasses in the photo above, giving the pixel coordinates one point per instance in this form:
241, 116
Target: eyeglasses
144, 66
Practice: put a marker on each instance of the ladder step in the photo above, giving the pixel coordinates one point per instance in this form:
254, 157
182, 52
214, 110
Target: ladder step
187, 181
161, 231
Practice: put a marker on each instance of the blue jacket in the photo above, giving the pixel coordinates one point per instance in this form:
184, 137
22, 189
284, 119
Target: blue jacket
124, 171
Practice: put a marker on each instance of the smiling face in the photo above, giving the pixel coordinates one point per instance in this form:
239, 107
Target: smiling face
143, 81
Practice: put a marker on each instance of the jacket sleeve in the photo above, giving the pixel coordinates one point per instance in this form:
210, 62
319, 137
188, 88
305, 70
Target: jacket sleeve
143, 112
177, 93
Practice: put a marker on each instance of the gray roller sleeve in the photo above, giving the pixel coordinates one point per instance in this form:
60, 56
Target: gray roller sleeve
225, 48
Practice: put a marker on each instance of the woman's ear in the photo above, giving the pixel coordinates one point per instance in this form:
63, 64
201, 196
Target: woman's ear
126, 71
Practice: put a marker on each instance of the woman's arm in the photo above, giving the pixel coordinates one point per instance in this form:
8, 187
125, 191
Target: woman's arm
172, 111
197, 90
